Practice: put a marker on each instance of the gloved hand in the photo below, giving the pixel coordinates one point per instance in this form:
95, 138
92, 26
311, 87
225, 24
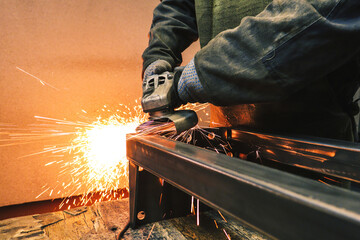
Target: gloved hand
169, 91
157, 67
189, 87
160, 92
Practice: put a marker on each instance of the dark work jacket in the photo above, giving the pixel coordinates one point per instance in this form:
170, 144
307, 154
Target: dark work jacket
287, 67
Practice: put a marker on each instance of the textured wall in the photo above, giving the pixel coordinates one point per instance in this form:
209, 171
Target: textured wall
89, 52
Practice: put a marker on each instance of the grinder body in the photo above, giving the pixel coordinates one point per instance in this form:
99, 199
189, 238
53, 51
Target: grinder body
160, 98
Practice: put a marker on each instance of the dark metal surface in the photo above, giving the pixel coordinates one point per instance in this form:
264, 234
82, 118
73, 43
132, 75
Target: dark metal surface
183, 119
339, 160
179, 121
152, 199
332, 157
280, 204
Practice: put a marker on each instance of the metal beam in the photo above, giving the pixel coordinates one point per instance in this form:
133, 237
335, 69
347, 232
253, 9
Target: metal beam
332, 157
279, 204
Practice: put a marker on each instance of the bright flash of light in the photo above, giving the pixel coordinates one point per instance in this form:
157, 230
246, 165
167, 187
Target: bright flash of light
100, 153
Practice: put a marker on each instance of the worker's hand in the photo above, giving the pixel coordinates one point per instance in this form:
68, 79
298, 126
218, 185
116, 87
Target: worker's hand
157, 67
160, 87
189, 87
160, 92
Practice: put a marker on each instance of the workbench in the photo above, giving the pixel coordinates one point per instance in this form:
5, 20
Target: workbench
106, 219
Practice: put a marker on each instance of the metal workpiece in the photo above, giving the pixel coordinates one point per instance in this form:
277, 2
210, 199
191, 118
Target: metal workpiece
336, 158
280, 204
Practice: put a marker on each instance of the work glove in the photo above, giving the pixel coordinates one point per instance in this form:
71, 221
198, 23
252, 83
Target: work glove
189, 87
157, 67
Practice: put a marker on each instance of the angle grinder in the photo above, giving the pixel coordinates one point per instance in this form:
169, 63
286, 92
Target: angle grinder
160, 99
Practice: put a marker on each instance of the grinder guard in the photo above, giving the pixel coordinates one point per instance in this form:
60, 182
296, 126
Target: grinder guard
182, 120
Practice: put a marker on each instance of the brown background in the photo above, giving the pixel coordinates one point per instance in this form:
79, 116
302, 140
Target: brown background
90, 51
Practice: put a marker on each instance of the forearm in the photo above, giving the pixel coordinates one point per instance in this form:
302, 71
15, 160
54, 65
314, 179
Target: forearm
173, 30
278, 52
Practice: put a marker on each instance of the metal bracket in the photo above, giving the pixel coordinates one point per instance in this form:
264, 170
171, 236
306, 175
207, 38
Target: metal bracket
152, 199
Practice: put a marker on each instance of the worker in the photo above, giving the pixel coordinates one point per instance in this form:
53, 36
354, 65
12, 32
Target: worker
281, 66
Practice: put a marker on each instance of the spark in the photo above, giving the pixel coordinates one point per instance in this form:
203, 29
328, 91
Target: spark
99, 154
214, 141
161, 180
323, 182
160, 199
331, 179
226, 234
96, 149
49, 163
192, 208
41, 81
43, 192
102, 147
222, 216
198, 212
150, 232
216, 224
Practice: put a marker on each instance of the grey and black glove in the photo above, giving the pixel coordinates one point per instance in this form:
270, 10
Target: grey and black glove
167, 90
157, 67
189, 87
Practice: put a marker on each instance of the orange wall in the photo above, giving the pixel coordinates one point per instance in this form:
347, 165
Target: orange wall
90, 51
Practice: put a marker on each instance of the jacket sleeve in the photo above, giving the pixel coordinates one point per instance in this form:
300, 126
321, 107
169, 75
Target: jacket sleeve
173, 29
280, 51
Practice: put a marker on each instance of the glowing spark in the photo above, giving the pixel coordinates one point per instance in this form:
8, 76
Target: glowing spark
323, 182
330, 179
42, 192
47, 164
97, 148
222, 216
161, 181
192, 208
216, 224
214, 141
227, 235
150, 232
102, 147
41, 81
198, 213
160, 199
